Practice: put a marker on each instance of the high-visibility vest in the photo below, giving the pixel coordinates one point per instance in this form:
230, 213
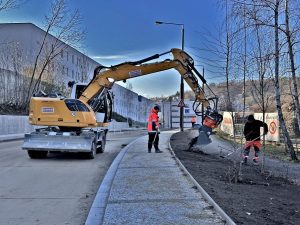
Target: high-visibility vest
153, 117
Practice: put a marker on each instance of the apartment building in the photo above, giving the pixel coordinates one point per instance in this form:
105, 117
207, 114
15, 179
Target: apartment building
19, 46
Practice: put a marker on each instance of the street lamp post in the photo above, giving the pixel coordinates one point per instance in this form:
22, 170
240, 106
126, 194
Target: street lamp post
202, 106
181, 80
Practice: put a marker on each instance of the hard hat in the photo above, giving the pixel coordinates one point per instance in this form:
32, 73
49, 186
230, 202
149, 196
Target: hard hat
156, 107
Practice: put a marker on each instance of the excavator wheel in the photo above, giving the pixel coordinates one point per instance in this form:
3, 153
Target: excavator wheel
101, 148
93, 152
37, 154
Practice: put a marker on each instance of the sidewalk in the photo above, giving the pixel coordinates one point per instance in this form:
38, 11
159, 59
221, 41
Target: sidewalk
142, 188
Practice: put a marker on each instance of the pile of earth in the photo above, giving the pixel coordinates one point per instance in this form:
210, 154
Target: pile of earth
248, 194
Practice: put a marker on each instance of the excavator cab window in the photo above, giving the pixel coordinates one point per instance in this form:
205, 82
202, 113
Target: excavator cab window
76, 105
79, 90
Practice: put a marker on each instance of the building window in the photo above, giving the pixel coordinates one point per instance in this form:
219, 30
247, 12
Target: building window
62, 53
72, 74
67, 71
67, 56
72, 58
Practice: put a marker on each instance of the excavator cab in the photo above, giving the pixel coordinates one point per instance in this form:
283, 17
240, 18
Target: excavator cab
101, 104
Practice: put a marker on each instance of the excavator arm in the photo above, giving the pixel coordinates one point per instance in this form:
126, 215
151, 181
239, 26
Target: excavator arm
104, 77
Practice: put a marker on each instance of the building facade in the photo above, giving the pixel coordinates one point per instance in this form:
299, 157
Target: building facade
20, 44
170, 114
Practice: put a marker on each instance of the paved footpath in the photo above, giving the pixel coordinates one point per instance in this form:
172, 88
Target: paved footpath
149, 188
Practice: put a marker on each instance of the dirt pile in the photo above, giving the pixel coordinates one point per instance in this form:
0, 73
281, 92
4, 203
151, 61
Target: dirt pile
246, 194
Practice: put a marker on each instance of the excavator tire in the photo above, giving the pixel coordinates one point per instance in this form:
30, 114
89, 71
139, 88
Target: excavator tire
93, 152
101, 147
37, 154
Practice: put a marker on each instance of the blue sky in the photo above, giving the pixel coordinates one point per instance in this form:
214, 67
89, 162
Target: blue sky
119, 30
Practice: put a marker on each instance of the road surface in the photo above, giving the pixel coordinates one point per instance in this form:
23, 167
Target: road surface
57, 190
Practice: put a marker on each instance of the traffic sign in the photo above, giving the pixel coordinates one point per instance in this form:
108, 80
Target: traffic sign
272, 127
181, 103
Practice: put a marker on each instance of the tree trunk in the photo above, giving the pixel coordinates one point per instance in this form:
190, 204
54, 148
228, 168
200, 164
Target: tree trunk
292, 62
277, 87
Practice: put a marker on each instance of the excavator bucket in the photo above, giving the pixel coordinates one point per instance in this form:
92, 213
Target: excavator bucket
202, 139
42, 142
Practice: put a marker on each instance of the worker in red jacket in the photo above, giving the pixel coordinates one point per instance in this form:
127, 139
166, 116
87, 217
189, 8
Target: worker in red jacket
252, 135
153, 130
193, 120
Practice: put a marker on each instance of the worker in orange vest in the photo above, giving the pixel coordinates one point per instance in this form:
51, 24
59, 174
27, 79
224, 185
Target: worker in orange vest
153, 130
193, 120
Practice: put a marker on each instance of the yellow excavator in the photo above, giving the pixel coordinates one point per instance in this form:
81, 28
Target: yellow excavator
74, 125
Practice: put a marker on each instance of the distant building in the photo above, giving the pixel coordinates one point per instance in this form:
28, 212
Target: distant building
170, 114
19, 44
131, 104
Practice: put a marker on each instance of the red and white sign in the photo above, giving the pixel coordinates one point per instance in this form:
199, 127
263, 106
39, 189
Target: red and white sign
181, 104
272, 127
271, 119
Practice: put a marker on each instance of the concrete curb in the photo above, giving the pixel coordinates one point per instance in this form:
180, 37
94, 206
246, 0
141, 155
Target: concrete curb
228, 220
97, 211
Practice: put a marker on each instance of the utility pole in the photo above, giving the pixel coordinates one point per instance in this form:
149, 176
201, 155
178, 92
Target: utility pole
181, 116
202, 106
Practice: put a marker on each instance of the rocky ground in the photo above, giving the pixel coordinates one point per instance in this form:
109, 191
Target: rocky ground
250, 194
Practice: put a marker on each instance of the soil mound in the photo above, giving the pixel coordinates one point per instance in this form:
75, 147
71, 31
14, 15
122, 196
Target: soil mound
246, 194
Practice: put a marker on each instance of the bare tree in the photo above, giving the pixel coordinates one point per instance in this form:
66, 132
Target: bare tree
9, 4
64, 25
291, 42
265, 13
277, 86
262, 57
13, 84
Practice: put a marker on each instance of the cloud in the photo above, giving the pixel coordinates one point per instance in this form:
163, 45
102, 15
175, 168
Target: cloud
109, 57
127, 55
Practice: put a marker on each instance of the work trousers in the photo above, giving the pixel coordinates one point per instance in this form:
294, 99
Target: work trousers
153, 139
256, 145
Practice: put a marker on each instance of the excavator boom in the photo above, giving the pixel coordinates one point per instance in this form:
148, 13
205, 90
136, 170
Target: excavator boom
106, 76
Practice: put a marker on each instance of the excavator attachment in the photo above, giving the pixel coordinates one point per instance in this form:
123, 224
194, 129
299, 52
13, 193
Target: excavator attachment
211, 120
45, 140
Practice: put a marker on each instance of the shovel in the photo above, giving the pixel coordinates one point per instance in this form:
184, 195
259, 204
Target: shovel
248, 143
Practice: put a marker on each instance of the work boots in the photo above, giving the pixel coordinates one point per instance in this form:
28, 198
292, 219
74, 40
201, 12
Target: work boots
245, 160
255, 161
157, 150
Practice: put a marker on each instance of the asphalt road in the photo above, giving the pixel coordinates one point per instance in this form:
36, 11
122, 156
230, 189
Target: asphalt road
54, 191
